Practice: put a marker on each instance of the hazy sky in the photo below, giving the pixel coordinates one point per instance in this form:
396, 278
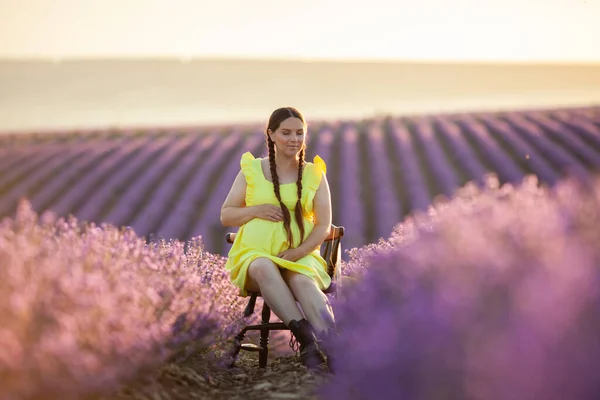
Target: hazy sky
500, 30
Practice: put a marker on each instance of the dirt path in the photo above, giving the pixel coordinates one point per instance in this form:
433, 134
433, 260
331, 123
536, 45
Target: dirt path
197, 378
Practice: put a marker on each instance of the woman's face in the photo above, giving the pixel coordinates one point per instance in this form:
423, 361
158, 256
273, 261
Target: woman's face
289, 138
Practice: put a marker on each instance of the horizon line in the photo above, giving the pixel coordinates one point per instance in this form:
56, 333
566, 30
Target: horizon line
187, 59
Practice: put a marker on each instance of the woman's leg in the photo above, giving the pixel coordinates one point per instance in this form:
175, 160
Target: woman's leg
313, 301
264, 274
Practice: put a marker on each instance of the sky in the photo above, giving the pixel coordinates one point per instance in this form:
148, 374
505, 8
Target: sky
564, 31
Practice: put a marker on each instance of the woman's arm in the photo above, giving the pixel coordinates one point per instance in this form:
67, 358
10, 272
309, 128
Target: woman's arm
234, 211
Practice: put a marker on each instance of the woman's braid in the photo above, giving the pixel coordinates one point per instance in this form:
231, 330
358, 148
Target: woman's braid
275, 177
298, 210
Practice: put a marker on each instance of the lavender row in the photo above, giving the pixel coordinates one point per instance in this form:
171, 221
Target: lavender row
76, 196
177, 218
111, 191
554, 152
387, 205
445, 176
13, 156
351, 210
156, 209
419, 196
9, 158
522, 148
591, 114
568, 138
39, 177
321, 146
502, 164
72, 176
208, 221
134, 193
581, 125
327, 147
29, 163
465, 157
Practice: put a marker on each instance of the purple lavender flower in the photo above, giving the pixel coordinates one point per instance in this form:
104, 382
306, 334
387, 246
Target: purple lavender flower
493, 293
85, 309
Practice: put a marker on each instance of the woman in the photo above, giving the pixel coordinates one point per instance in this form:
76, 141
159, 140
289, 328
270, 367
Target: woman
282, 205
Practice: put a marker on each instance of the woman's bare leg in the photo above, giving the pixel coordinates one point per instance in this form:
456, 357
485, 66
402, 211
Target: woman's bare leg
313, 301
264, 274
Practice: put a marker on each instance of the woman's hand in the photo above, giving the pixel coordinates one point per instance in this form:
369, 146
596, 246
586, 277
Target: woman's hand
291, 254
268, 212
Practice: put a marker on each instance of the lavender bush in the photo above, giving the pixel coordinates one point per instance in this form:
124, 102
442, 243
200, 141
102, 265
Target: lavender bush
86, 308
492, 295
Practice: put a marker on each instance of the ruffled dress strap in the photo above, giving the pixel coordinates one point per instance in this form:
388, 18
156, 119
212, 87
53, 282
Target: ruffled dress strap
248, 166
313, 177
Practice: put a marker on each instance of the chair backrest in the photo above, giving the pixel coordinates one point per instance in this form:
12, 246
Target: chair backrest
331, 249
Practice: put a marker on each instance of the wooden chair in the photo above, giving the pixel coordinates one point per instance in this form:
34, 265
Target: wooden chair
331, 250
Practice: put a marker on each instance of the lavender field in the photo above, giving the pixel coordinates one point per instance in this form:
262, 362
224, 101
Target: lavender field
473, 262
171, 183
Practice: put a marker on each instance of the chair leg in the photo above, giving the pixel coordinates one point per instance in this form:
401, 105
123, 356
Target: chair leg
264, 337
235, 349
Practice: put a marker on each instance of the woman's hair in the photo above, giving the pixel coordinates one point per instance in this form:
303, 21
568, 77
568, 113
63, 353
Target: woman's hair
277, 117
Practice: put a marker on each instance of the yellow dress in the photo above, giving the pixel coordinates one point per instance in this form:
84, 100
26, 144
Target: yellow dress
262, 238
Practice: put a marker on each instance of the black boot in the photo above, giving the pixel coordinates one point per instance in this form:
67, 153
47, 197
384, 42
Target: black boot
310, 353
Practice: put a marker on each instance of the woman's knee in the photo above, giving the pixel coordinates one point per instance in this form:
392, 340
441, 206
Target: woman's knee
298, 281
262, 268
